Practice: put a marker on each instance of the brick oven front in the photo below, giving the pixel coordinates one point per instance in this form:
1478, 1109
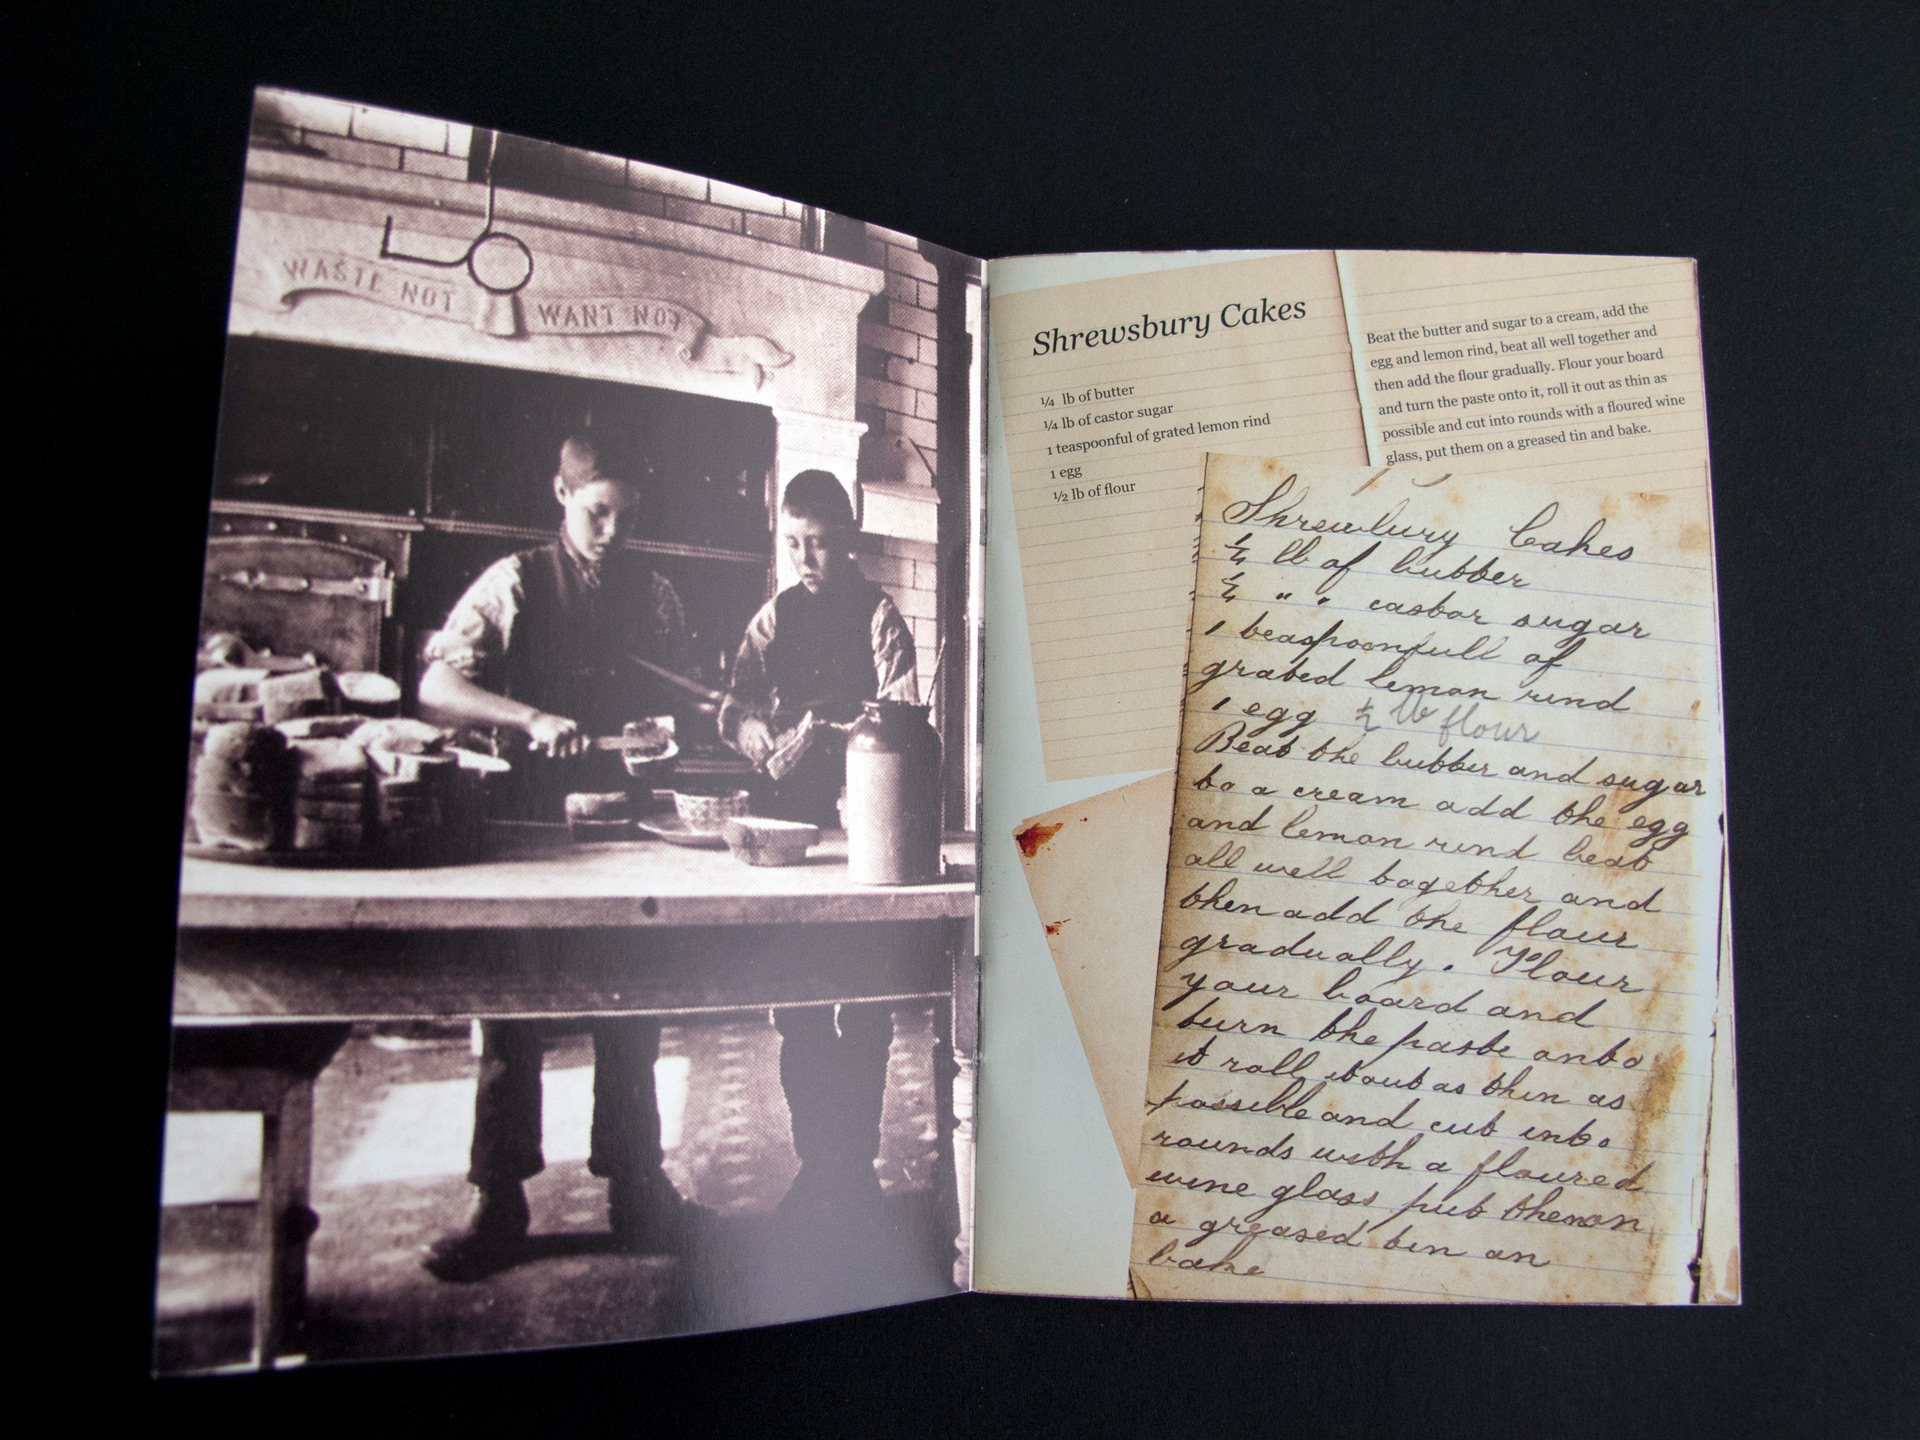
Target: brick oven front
704, 312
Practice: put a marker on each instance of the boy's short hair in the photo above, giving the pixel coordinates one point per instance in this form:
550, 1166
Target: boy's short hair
586, 457
818, 495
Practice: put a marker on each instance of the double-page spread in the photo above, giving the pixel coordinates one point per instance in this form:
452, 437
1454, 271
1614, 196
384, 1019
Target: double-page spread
624, 894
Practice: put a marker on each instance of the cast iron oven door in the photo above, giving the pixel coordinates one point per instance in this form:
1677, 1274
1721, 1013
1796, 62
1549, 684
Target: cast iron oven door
298, 597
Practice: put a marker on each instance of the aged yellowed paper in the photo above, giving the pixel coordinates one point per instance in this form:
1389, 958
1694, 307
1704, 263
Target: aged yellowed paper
1111, 390
1438, 964
1094, 870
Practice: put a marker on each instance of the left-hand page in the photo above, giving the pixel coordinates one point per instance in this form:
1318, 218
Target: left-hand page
577, 917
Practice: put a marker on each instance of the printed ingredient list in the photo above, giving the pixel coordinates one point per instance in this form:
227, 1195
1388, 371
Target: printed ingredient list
1112, 390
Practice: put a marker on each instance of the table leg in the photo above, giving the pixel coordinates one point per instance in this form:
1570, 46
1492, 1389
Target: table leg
270, 1070
963, 1169
955, 1054
949, 1170
286, 1167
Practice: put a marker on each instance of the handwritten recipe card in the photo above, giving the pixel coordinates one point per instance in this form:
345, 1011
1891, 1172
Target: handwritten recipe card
1435, 1004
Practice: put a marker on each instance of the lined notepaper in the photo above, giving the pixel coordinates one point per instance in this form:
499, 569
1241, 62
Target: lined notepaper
1111, 391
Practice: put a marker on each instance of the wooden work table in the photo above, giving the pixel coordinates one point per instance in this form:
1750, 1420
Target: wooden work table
642, 883
623, 927
273, 964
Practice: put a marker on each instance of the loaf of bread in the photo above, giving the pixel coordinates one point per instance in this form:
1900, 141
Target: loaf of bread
229, 777
354, 795
241, 786
367, 692
320, 727
645, 739
318, 762
248, 711
423, 769
244, 822
227, 686
330, 783
224, 650
312, 834
304, 692
409, 814
246, 745
414, 817
400, 737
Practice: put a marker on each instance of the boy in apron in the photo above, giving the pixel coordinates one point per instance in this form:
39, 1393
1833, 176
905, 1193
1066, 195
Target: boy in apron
542, 646
809, 657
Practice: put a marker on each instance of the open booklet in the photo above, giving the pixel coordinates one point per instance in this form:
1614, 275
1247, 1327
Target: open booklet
600, 916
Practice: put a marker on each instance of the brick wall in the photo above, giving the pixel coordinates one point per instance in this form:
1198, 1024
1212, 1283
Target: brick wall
908, 571
897, 389
361, 134
392, 140
898, 349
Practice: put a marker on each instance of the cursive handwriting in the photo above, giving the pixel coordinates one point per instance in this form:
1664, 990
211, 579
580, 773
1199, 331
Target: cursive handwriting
1431, 1021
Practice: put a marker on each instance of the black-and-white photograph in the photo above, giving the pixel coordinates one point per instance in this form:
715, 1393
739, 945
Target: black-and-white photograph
577, 915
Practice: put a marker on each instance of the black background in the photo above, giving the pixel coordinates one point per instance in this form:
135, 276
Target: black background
1777, 145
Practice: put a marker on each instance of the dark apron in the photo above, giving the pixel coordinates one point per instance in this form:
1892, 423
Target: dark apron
571, 654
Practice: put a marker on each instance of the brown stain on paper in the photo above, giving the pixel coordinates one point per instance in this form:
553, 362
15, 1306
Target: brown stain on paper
1654, 1098
1034, 836
1650, 1112
1053, 926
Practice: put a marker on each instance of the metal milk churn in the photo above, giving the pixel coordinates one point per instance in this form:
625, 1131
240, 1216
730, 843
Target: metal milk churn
893, 796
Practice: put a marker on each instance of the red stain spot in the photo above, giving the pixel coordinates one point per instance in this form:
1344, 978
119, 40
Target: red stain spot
1053, 926
1034, 836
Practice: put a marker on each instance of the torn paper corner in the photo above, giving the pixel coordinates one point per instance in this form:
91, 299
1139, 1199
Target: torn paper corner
1097, 872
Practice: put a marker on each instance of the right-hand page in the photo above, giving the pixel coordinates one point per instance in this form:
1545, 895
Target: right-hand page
1437, 970
1567, 369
